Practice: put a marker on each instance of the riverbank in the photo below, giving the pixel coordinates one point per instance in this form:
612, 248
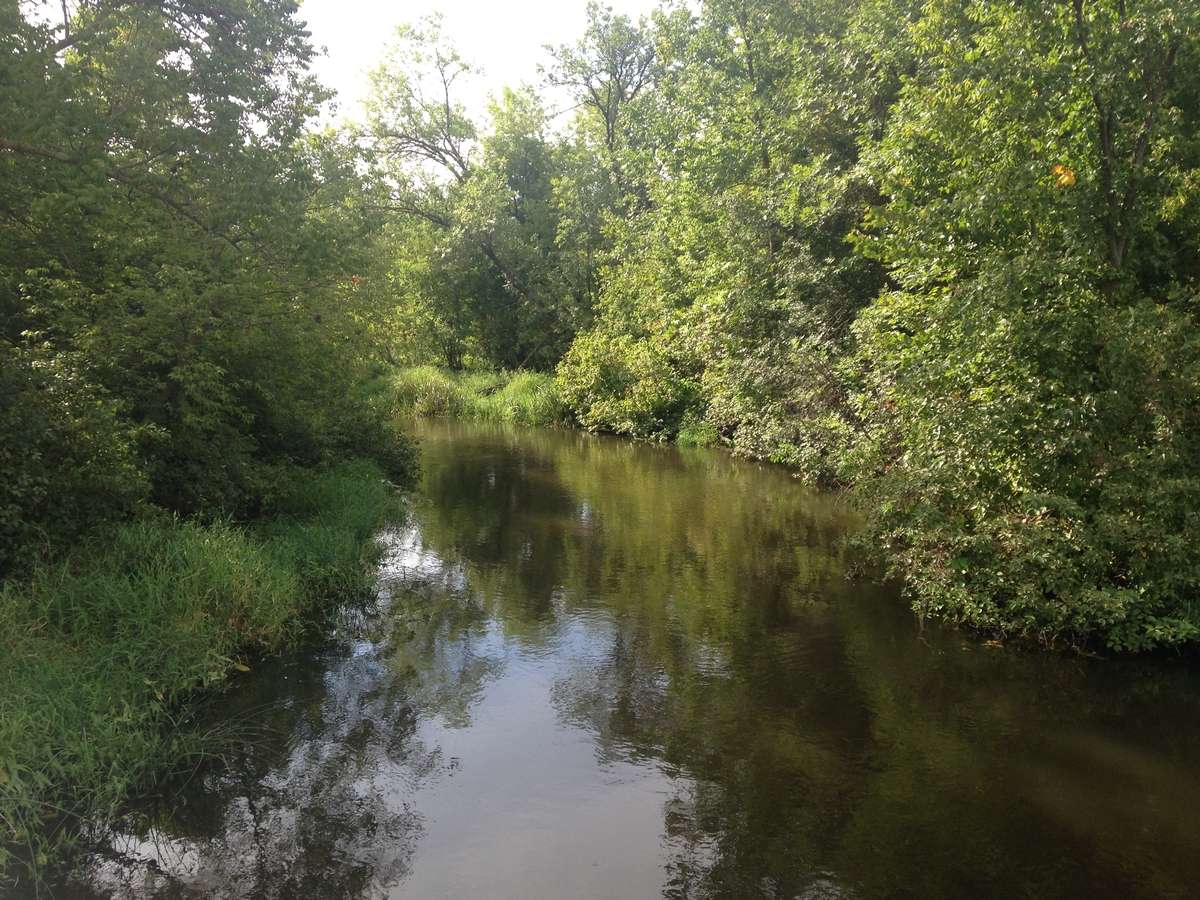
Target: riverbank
1042, 570
103, 653
647, 673
518, 398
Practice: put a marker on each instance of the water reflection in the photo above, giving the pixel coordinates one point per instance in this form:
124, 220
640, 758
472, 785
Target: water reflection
605, 670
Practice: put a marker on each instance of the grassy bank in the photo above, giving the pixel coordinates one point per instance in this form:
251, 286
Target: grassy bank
100, 653
521, 398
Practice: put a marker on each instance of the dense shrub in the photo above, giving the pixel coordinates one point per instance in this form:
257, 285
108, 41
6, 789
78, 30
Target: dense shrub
179, 321
626, 385
1032, 460
1029, 449
68, 460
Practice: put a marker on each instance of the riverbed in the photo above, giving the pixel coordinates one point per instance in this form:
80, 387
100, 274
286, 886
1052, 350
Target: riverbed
598, 669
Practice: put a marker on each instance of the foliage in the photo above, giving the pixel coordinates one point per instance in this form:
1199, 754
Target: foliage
1057, 499
1029, 388
696, 432
66, 458
736, 278
520, 398
626, 385
180, 318
477, 259
184, 329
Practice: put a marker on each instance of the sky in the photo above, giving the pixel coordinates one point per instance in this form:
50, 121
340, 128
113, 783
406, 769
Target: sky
505, 39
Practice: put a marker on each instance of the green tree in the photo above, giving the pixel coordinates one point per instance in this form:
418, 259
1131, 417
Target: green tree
736, 275
176, 258
1029, 397
607, 72
486, 195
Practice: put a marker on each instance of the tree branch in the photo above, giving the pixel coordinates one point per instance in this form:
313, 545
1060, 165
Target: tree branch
124, 178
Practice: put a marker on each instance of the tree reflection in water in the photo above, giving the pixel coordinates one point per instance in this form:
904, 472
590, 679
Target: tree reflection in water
607, 670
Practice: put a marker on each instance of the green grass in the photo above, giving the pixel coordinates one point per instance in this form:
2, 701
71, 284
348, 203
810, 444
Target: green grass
101, 654
521, 398
696, 432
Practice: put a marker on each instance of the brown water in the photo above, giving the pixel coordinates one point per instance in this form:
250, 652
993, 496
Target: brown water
606, 670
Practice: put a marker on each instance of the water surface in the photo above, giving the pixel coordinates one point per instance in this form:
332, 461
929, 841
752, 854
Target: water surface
602, 670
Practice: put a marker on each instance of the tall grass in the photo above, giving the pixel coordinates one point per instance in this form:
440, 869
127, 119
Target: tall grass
100, 654
522, 398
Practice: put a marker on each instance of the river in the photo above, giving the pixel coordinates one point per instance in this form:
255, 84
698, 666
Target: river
604, 670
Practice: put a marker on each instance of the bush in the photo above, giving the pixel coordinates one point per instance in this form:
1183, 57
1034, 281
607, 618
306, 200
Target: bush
68, 462
1033, 462
696, 432
785, 404
626, 385
369, 429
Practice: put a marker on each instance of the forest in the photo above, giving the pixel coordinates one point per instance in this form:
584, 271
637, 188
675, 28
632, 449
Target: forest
941, 256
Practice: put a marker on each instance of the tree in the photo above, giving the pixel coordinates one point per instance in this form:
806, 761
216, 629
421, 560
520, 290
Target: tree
736, 274
945, 253
1029, 386
488, 195
606, 71
175, 258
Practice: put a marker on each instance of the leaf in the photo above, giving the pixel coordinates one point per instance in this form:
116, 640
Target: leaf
1064, 176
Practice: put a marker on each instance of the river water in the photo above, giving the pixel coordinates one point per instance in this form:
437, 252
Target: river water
604, 670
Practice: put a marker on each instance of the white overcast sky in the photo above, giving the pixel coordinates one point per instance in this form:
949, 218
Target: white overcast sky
505, 39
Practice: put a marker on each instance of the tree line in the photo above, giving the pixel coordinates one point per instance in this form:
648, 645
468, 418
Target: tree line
185, 355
